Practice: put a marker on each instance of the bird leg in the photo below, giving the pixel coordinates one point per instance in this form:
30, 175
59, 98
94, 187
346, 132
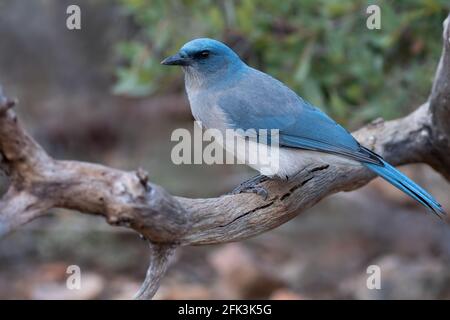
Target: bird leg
252, 186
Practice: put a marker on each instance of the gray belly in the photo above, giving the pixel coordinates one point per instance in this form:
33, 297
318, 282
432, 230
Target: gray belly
209, 114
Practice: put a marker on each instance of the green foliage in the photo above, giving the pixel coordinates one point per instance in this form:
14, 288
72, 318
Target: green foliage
320, 48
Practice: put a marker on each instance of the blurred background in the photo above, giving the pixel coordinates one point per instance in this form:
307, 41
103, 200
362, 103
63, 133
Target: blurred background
99, 94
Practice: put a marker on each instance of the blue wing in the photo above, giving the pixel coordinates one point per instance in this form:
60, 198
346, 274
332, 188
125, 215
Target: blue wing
262, 102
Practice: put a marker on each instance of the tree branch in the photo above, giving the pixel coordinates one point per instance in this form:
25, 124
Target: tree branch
440, 108
159, 260
38, 182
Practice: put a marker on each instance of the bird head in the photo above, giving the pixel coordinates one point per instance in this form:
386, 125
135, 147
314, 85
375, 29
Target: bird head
205, 57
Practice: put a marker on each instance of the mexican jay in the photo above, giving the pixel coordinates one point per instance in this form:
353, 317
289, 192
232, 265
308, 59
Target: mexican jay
225, 93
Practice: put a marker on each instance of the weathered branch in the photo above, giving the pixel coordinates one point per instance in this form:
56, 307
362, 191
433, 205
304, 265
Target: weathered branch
38, 182
159, 259
440, 107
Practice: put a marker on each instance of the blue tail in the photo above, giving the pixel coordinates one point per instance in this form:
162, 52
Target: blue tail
398, 179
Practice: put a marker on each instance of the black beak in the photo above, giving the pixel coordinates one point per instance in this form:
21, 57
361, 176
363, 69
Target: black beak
176, 60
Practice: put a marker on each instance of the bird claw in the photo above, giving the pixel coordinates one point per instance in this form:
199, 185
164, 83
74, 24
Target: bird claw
252, 186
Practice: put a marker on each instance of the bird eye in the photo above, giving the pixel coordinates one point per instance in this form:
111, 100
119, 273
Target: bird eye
204, 54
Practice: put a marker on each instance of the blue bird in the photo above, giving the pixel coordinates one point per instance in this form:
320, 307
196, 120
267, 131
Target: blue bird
225, 93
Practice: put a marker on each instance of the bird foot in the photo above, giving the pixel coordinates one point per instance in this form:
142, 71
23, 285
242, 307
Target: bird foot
252, 186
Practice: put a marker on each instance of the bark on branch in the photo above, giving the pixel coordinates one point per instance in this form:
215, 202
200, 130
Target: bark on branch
38, 182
